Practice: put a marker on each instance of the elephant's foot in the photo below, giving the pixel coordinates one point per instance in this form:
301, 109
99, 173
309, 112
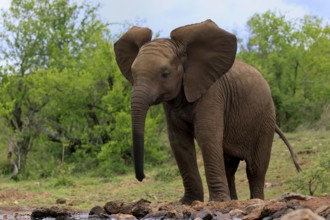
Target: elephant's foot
220, 198
188, 199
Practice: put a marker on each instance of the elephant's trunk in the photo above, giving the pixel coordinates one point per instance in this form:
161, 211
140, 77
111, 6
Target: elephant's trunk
139, 106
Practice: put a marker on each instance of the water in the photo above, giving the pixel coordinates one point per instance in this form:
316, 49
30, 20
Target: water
26, 214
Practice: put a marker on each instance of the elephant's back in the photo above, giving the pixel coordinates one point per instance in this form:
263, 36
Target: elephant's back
248, 86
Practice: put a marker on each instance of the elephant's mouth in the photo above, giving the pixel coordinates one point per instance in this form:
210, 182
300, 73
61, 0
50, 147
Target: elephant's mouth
159, 99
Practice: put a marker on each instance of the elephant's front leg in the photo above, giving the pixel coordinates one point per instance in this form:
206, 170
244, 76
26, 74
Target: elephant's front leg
209, 135
182, 143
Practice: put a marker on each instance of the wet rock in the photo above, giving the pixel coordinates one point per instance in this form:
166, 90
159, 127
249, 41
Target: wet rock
163, 215
243, 210
254, 213
99, 212
176, 208
141, 208
271, 207
251, 208
291, 195
171, 215
122, 217
221, 216
114, 207
237, 213
158, 215
282, 212
205, 215
138, 209
324, 211
96, 210
302, 214
53, 212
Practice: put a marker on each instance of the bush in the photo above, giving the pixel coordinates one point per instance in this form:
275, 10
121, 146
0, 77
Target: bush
314, 180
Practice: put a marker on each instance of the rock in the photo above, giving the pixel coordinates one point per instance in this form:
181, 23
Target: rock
171, 215
197, 205
291, 195
98, 211
323, 211
138, 209
60, 201
254, 212
205, 215
249, 209
113, 207
141, 208
281, 212
122, 217
221, 216
302, 214
53, 212
237, 213
158, 215
271, 207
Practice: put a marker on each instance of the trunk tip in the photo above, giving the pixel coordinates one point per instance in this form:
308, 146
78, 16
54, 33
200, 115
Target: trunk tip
140, 176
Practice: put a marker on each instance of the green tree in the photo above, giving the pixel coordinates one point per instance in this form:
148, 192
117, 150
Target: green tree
62, 95
47, 46
294, 57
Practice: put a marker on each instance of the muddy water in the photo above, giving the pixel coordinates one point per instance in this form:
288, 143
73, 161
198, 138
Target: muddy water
26, 214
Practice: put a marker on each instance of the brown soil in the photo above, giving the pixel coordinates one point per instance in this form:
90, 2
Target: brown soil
11, 195
249, 209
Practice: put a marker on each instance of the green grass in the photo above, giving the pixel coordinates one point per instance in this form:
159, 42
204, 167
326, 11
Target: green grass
162, 184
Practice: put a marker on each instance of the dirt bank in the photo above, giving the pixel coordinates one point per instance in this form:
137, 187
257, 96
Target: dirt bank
289, 204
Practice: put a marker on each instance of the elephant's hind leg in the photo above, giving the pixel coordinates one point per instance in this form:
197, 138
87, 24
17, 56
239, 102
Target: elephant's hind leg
257, 165
231, 168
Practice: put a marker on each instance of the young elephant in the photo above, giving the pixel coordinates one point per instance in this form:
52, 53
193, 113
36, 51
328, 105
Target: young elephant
208, 95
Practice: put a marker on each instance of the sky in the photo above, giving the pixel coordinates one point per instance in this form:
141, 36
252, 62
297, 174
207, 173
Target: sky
232, 15
165, 15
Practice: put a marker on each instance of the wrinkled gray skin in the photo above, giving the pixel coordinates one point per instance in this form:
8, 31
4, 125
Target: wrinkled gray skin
208, 95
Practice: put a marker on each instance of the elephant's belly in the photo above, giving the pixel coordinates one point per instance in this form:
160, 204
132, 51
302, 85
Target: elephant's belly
232, 150
243, 137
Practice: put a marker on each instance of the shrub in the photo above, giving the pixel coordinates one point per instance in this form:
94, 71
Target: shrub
314, 180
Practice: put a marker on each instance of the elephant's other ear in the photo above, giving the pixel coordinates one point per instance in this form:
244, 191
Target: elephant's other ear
211, 52
127, 48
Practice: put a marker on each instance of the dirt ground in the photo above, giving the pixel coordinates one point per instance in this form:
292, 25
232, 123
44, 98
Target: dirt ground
249, 209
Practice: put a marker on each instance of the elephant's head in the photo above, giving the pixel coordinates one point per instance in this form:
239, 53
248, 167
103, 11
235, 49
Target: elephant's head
192, 60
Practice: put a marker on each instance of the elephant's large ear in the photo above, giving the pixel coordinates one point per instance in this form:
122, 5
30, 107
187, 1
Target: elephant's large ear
211, 52
127, 48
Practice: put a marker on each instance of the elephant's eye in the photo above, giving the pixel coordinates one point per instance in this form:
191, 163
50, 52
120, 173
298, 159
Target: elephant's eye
165, 74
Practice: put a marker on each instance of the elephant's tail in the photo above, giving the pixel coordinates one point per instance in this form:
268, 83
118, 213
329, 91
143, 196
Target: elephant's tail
282, 136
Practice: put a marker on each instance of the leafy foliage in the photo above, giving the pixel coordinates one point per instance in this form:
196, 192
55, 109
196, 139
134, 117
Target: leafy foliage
63, 100
65, 107
314, 180
294, 57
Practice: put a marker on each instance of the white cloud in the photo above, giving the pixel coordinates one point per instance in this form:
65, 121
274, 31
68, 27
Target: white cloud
165, 15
